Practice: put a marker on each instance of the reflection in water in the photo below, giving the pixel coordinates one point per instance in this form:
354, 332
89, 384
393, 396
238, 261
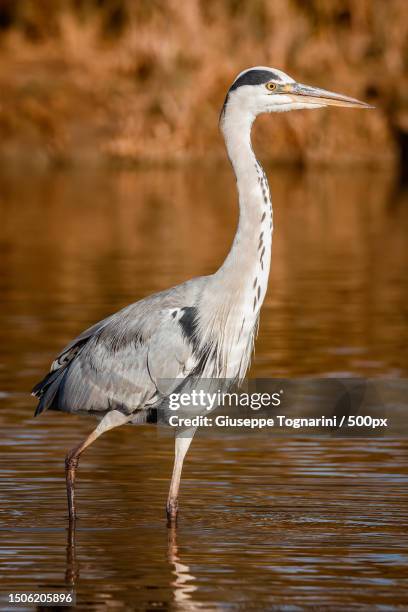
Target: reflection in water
181, 584
282, 522
182, 589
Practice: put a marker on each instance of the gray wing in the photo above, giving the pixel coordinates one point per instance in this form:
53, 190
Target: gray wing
121, 362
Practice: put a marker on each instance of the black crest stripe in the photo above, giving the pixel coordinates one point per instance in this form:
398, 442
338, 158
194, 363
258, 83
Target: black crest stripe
255, 77
250, 77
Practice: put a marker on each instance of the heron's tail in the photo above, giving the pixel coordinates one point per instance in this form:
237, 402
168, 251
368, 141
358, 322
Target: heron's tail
47, 389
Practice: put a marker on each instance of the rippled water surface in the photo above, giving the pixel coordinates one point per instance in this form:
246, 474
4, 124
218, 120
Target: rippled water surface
265, 524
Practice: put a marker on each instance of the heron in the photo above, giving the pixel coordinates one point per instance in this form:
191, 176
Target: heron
204, 327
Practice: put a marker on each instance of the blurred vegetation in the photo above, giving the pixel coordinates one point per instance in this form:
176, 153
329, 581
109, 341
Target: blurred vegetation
144, 80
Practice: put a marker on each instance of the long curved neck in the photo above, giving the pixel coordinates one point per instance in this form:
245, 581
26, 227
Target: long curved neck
234, 295
249, 257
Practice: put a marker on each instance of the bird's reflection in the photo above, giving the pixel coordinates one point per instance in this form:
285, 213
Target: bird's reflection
180, 584
182, 576
72, 569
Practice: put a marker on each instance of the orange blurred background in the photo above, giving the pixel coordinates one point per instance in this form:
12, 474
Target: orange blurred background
143, 81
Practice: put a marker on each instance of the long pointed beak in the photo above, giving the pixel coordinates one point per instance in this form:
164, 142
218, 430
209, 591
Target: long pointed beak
304, 93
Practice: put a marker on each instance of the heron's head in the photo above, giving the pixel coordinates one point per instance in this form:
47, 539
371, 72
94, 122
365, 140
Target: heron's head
267, 90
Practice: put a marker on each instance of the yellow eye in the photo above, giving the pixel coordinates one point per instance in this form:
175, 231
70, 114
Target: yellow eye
271, 86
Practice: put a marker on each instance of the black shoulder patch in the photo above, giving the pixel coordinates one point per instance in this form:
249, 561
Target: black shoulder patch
254, 77
188, 322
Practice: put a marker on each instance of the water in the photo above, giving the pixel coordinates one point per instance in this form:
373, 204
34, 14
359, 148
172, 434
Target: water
276, 524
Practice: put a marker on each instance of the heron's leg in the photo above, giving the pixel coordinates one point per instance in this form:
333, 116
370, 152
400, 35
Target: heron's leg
109, 421
182, 445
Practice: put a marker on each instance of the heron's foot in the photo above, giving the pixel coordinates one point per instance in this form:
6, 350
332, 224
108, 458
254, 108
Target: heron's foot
172, 510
